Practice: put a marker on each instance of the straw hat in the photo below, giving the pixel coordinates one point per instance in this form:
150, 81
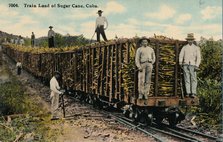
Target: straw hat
144, 38
190, 36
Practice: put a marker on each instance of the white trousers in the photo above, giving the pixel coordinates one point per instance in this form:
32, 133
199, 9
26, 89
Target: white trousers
190, 78
144, 80
54, 102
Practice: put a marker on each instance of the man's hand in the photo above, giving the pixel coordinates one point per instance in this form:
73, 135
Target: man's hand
62, 92
181, 66
140, 69
51, 95
196, 68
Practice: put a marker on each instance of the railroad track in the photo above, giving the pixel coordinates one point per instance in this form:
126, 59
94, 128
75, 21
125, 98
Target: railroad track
200, 136
162, 133
178, 133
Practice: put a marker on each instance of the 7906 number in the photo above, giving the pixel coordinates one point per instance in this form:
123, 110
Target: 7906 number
13, 5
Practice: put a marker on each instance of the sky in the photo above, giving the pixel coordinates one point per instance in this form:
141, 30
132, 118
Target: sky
126, 18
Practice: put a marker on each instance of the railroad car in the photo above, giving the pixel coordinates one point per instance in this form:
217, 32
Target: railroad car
105, 74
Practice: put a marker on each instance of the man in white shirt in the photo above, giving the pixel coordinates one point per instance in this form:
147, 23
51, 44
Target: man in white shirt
190, 59
55, 94
51, 35
21, 41
100, 26
19, 67
144, 60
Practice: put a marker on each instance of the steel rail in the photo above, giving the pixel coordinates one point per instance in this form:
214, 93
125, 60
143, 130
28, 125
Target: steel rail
125, 122
191, 131
197, 133
142, 128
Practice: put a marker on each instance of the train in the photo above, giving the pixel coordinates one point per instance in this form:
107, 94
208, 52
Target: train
105, 75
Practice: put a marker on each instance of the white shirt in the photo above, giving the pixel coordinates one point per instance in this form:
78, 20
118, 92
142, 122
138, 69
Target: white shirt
21, 41
190, 55
144, 54
54, 86
12, 41
19, 64
100, 21
16, 41
51, 33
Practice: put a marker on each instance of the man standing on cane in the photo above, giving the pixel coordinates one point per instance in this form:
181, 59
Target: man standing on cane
100, 26
190, 59
55, 95
51, 35
32, 39
144, 60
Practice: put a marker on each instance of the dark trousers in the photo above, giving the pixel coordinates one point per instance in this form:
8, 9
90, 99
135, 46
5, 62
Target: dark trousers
51, 42
19, 70
100, 30
32, 42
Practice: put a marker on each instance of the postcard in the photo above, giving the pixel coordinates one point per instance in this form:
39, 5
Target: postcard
150, 65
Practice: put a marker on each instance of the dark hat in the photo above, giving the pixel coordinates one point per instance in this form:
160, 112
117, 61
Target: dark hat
190, 36
99, 11
143, 38
57, 73
50, 27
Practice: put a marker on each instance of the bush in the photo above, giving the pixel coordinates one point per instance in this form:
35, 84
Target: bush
209, 82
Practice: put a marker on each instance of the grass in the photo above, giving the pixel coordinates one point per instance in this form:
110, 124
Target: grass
21, 116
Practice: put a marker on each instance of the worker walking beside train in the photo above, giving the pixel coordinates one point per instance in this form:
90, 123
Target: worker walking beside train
190, 59
55, 94
144, 60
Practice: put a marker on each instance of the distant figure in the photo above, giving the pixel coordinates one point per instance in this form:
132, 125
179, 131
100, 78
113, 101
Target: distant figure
17, 40
51, 35
32, 39
190, 59
145, 58
55, 94
19, 67
100, 26
20, 40
12, 41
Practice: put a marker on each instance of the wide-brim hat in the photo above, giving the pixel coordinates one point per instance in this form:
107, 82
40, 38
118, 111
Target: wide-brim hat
99, 11
190, 36
57, 73
50, 27
144, 38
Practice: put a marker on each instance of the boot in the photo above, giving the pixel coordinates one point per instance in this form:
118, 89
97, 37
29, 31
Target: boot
140, 96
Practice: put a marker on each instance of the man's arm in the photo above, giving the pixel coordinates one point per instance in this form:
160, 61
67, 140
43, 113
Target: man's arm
96, 25
198, 59
48, 34
181, 56
137, 59
53, 33
106, 21
153, 57
54, 87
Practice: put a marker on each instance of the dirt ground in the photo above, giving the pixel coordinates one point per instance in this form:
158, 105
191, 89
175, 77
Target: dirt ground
79, 128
